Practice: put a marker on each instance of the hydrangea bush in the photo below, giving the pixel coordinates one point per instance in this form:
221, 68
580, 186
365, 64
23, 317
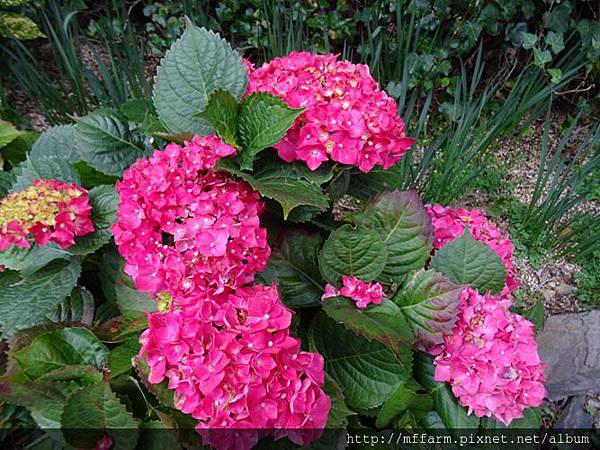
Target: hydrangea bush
191, 262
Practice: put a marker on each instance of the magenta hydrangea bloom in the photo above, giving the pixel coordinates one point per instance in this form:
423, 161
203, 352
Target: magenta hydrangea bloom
348, 118
48, 211
182, 227
362, 293
232, 363
449, 223
491, 359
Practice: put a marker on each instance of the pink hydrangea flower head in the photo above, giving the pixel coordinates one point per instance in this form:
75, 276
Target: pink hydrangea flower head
491, 359
348, 118
449, 223
362, 293
232, 363
48, 211
181, 226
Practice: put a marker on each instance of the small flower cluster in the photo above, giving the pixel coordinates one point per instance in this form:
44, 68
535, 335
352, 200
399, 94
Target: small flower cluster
232, 363
348, 118
181, 226
362, 293
491, 359
449, 223
49, 210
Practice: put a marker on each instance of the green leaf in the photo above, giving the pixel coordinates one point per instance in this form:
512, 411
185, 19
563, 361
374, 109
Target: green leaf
430, 303
395, 404
558, 17
432, 421
16, 152
155, 435
30, 260
50, 158
536, 314
366, 370
104, 201
528, 40
7, 179
9, 277
78, 307
50, 167
288, 184
60, 348
367, 185
118, 329
58, 142
107, 144
28, 303
120, 358
91, 177
339, 412
197, 64
405, 228
355, 252
222, 114
8, 133
555, 41
162, 393
138, 110
83, 374
98, 410
45, 400
467, 261
541, 57
383, 322
177, 138
118, 287
264, 121
409, 396
295, 268
453, 416
303, 214
555, 75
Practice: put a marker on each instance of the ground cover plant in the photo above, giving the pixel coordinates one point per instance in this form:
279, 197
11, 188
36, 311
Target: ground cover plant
202, 261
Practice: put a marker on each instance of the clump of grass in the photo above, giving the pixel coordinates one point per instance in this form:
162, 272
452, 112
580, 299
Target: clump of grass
563, 173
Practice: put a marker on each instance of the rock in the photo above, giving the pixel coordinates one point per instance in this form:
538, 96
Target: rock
592, 407
575, 415
548, 294
564, 289
569, 344
578, 384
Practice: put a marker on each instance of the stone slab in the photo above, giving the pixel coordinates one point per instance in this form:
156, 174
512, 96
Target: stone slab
570, 346
575, 415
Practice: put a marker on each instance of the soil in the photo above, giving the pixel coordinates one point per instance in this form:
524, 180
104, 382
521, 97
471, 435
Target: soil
27, 108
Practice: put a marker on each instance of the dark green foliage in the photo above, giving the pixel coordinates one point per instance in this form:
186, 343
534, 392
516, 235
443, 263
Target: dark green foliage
425, 37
